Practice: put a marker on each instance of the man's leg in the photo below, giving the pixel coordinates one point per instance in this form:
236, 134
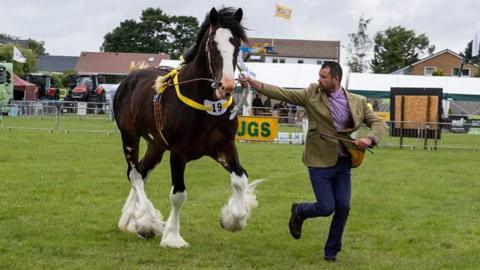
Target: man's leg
321, 179
342, 191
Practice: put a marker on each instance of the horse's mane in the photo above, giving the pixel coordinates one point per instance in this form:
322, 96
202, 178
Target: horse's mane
225, 19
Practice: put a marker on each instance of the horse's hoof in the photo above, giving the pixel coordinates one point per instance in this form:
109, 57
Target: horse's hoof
146, 235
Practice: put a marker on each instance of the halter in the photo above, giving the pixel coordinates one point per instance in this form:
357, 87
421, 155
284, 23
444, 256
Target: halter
215, 83
163, 82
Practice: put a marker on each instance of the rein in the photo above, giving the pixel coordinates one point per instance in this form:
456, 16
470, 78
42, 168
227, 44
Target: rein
192, 80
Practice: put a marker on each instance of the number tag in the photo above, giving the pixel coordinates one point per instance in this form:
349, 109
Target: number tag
215, 106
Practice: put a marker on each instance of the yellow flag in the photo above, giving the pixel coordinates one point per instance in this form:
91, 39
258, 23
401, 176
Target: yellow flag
283, 12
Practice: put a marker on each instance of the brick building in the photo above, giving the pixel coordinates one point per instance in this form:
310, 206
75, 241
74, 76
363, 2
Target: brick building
445, 61
296, 51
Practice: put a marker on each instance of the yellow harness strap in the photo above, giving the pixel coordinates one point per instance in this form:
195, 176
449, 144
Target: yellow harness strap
161, 82
193, 103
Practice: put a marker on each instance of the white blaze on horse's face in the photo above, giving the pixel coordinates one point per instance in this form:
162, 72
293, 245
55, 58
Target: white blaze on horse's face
226, 49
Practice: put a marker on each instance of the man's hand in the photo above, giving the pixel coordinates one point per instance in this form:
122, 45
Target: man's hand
245, 80
363, 143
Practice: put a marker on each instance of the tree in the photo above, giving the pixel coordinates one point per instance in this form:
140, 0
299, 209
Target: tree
467, 54
21, 69
396, 48
66, 78
184, 31
38, 47
156, 32
128, 37
357, 49
437, 72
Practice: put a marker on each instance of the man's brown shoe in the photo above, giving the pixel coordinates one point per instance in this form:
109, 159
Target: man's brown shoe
295, 223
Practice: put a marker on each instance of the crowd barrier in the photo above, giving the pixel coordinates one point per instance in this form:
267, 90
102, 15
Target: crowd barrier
292, 124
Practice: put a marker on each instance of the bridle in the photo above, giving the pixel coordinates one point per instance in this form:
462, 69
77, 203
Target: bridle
214, 82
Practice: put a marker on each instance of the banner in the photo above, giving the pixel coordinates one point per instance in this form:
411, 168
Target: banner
257, 128
283, 12
18, 56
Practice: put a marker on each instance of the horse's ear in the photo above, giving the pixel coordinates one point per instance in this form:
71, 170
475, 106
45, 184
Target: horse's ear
238, 15
213, 16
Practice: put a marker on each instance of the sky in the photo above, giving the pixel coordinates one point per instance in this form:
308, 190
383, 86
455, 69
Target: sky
70, 27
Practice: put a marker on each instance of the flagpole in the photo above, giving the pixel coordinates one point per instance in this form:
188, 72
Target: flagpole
273, 33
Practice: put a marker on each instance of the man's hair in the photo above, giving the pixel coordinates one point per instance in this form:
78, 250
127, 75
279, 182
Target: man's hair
335, 69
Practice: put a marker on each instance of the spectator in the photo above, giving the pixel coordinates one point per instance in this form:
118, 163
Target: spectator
257, 105
268, 106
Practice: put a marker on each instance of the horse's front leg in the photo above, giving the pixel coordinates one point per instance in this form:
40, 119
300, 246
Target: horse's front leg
239, 207
178, 195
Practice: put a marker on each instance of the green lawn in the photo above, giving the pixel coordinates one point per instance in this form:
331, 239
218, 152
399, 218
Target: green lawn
61, 197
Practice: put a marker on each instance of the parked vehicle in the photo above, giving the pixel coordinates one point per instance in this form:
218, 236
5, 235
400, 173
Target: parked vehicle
48, 88
6, 85
87, 88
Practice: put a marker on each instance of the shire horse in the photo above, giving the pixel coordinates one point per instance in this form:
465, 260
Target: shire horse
192, 120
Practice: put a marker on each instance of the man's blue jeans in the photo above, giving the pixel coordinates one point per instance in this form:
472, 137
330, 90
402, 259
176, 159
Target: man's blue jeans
332, 187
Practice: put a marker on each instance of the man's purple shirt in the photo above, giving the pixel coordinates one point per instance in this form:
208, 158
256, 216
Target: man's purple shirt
342, 118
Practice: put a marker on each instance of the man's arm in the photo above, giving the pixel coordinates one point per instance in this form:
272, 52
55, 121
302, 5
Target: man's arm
297, 97
376, 125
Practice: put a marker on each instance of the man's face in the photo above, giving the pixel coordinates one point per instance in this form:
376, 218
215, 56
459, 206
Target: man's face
326, 80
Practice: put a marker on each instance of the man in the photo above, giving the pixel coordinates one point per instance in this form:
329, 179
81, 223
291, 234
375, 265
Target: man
332, 111
257, 105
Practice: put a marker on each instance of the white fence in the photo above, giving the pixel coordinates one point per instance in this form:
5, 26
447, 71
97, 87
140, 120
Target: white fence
58, 115
98, 117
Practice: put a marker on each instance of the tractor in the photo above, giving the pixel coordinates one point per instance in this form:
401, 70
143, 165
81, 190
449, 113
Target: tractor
86, 88
6, 86
48, 88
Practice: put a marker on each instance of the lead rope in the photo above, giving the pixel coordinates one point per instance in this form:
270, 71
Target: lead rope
245, 91
242, 100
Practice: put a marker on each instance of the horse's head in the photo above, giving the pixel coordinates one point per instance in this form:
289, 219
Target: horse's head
220, 37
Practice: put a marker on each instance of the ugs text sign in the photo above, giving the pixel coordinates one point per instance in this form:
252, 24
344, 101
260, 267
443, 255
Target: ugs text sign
257, 128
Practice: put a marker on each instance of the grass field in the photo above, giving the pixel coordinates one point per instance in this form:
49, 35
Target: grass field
61, 197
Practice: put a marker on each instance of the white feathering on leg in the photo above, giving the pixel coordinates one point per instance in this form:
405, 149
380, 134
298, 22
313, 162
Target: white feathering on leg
240, 205
138, 214
171, 234
125, 223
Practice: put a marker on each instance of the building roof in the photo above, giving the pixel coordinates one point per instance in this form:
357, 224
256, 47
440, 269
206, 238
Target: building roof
430, 57
113, 63
57, 63
302, 48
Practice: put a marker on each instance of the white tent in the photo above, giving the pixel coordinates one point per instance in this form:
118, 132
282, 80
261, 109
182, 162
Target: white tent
379, 85
298, 76
294, 76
